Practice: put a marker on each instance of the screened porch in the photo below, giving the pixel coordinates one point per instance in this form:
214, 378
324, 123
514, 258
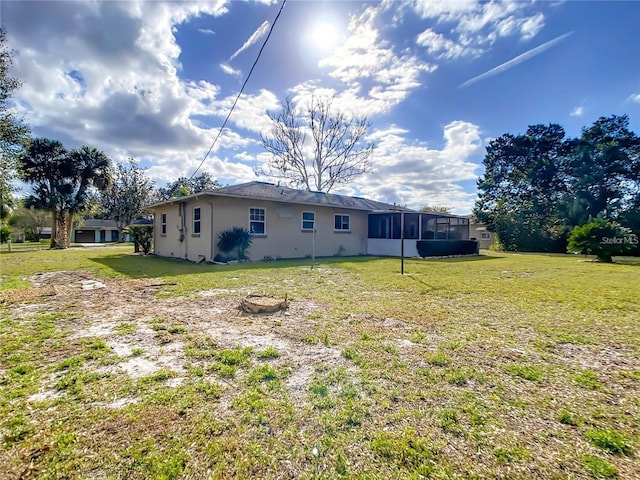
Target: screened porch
385, 231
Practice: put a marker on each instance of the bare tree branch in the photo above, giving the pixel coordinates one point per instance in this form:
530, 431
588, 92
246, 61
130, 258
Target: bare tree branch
336, 153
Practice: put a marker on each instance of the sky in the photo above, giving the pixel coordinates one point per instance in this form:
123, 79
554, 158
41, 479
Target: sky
437, 80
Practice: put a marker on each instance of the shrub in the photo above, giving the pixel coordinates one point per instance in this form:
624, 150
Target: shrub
235, 240
441, 248
601, 238
142, 235
5, 234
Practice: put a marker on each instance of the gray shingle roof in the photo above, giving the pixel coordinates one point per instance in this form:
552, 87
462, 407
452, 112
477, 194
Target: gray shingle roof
275, 193
90, 223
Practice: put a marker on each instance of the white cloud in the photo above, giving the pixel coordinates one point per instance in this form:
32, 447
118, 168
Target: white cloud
414, 174
376, 76
577, 112
250, 111
229, 70
445, 10
477, 25
440, 46
107, 75
532, 26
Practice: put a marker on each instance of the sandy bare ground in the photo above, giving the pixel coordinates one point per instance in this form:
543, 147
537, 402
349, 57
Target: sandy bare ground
107, 306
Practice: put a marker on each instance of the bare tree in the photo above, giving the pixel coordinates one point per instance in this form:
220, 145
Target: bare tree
125, 200
436, 209
336, 152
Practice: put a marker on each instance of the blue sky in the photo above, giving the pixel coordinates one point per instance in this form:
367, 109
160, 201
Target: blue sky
437, 79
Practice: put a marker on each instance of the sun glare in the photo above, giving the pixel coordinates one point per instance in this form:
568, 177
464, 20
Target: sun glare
324, 36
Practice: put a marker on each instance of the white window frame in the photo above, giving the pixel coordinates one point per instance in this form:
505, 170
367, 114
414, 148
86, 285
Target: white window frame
163, 223
254, 217
197, 221
485, 236
342, 215
306, 220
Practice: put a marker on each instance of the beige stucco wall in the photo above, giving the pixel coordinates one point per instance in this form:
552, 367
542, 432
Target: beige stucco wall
180, 226
476, 230
284, 236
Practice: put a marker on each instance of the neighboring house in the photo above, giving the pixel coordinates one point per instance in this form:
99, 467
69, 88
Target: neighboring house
94, 230
289, 223
479, 232
45, 232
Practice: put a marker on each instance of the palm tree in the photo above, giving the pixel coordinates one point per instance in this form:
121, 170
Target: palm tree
88, 169
41, 164
63, 182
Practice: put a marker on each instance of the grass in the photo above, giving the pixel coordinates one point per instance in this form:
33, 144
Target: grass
599, 467
610, 440
501, 366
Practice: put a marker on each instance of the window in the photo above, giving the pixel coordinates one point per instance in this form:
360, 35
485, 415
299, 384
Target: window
257, 221
163, 222
411, 225
196, 221
308, 220
485, 236
341, 223
428, 227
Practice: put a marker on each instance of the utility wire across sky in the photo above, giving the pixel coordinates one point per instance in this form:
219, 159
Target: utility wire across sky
235, 102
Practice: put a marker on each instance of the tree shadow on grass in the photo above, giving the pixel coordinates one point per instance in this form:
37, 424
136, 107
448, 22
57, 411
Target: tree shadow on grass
151, 266
461, 259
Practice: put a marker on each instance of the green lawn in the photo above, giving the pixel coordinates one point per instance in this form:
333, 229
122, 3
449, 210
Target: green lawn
499, 366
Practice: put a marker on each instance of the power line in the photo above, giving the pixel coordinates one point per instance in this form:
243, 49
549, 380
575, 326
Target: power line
264, 44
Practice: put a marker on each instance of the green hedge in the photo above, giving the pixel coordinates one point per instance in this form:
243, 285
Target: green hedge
441, 248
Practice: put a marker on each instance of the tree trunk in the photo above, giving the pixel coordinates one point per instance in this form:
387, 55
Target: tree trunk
54, 229
122, 233
69, 230
62, 231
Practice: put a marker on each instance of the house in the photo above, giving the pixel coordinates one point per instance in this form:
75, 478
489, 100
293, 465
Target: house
289, 223
95, 230
479, 232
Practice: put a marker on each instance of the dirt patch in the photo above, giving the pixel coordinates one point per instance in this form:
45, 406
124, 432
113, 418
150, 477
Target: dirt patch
609, 359
126, 314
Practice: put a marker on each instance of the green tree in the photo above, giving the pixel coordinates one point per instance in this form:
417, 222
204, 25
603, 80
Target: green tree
125, 200
186, 186
524, 180
602, 238
87, 170
63, 182
630, 218
605, 167
336, 152
5, 234
31, 221
538, 186
141, 235
13, 133
42, 165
